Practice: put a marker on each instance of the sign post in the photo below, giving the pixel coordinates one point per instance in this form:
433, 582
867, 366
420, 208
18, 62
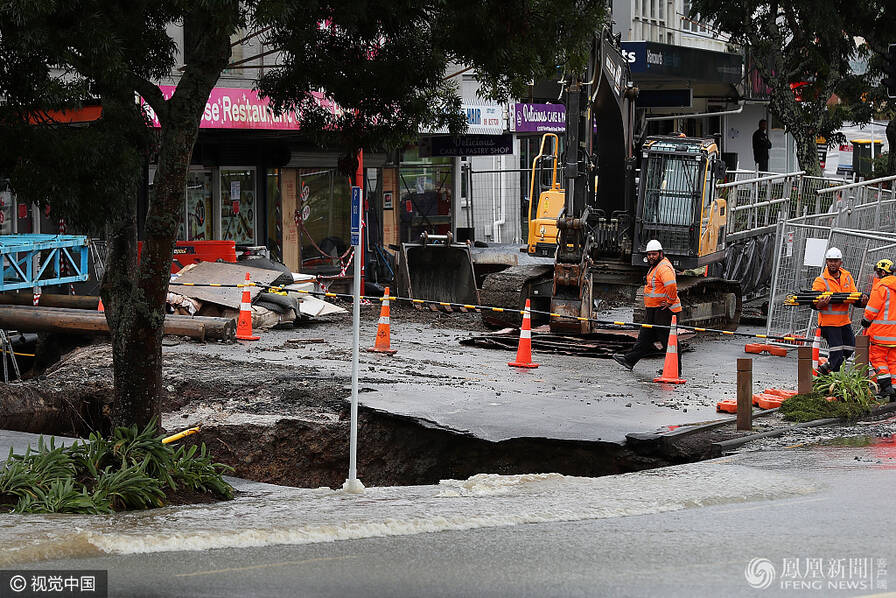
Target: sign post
353, 484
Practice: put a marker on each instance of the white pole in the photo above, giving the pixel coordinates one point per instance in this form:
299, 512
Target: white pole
353, 484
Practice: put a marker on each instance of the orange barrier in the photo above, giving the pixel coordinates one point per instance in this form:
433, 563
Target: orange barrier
244, 323
524, 350
779, 392
670, 366
727, 406
383, 336
769, 401
759, 348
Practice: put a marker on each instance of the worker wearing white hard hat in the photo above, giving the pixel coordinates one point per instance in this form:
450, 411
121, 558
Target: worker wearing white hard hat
660, 302
833, 318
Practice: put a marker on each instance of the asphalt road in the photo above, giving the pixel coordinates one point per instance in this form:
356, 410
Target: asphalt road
472, 390
839, 536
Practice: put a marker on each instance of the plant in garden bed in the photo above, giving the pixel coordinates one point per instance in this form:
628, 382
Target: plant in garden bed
851, 388
132, 469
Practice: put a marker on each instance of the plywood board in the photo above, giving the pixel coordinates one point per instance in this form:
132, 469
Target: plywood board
223, 273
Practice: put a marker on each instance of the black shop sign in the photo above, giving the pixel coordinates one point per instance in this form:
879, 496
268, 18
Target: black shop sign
466, 145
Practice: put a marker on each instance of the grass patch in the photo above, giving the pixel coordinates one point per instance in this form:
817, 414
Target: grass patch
130, 470
852, 388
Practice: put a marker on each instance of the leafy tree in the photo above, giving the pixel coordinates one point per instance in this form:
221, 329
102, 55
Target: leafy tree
382, 61
793, 41
873, 21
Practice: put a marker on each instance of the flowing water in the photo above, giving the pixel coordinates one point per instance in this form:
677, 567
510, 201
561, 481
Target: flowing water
263, 514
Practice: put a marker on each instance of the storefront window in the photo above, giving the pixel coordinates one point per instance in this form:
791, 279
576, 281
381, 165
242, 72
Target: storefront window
238, 208
324, 206
275, 214
426, 188
199, 223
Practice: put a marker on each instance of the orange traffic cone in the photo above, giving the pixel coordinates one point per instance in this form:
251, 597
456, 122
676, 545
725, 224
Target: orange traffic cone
99, 306
670, 367
381, 345
817, 361
244, 323
524, 351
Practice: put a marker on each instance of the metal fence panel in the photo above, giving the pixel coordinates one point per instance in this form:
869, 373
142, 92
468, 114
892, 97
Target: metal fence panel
498, 197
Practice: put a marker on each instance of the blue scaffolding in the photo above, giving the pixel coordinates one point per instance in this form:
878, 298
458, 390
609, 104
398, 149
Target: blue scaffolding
42, 260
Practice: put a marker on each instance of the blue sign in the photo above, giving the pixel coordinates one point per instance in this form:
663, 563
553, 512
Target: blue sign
356, 216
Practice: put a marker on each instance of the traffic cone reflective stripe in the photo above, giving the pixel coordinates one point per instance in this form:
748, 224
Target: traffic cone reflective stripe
670, 367
383, 336
524, 350
817, 360
244, 323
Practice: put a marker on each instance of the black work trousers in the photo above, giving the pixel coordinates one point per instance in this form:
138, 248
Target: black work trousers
648, 336
841, 344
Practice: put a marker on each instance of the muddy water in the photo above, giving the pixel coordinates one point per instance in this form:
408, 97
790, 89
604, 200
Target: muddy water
264, 515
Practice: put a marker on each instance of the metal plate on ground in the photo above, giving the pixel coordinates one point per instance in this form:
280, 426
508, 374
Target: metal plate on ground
222, 273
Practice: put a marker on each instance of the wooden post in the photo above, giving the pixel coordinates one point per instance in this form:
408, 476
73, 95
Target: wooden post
804, 370
744, 393
862, 351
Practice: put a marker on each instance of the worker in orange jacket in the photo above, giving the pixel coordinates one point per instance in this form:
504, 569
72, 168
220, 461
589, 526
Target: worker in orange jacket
833, 318
660, 302
879, 320
882, 269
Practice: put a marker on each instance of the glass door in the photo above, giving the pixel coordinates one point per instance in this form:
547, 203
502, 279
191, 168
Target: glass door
238, 207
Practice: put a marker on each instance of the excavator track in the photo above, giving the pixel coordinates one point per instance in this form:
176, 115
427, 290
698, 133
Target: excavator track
510, 288
706, 303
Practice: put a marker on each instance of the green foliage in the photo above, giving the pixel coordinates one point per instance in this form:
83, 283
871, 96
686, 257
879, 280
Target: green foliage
199, 472
850, 386
129, 470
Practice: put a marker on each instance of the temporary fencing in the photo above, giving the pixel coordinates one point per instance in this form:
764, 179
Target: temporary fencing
755, 206
493, 202
861, 222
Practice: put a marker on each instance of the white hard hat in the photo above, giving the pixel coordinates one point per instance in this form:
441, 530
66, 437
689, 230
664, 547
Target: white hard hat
654, 245
833, 254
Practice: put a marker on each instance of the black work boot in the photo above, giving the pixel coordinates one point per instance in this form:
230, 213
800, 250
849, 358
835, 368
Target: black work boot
621, 360
886, 390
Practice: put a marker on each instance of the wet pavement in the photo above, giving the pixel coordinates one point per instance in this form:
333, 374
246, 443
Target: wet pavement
815, 515
472, 390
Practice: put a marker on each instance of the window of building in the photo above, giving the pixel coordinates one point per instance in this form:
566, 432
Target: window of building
199, 223
325, 207
275, 214
238, 206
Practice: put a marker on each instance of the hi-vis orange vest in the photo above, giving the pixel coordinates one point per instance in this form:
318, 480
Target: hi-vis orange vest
881, 312
661, 287
834, 314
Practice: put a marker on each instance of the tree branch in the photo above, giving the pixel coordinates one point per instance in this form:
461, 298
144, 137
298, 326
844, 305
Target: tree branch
151, 94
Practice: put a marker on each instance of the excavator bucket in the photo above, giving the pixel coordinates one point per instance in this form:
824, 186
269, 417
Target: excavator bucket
435, 269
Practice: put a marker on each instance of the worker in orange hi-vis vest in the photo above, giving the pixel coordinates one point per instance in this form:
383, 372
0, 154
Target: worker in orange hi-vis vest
879, 320
660, 303
882, 269
833, 318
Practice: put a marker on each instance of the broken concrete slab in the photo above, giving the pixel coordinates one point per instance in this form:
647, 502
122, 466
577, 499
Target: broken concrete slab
224, 274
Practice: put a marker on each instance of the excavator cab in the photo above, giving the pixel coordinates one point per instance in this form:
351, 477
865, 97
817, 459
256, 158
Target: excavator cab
546, 199
677, 204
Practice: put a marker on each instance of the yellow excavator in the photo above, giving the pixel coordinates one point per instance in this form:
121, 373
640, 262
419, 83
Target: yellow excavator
595, 207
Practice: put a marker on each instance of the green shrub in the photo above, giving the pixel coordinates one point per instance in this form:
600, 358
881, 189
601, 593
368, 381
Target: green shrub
852, 388
129, 470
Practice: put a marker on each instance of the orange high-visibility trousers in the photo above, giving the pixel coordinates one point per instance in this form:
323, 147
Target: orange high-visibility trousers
883, 361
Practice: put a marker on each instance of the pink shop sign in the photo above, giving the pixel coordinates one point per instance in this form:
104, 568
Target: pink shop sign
231, 108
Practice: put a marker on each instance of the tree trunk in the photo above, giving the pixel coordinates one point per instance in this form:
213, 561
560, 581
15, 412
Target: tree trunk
136, 293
